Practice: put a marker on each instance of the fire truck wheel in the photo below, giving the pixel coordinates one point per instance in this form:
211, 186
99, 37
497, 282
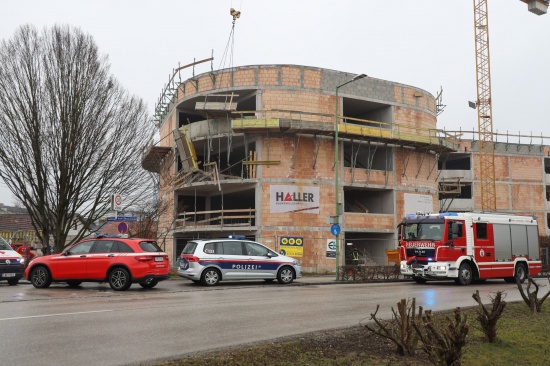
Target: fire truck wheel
465, 274
419, 280
520, 273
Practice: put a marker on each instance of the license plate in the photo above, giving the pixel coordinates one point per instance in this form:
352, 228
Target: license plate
8, 274
159, 259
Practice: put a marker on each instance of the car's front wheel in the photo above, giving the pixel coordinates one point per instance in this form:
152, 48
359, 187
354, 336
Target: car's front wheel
40, 277
119, 279
285, 275
149, 283
210, 277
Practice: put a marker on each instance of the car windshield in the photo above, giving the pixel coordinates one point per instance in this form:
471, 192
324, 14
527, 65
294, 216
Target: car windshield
149, 246
4, 245
423, 231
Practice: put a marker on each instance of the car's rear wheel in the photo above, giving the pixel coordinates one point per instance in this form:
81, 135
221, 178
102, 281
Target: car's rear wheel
210, 277
149, 283
285, 275
119, 279
13, 282
74, 283
40, 277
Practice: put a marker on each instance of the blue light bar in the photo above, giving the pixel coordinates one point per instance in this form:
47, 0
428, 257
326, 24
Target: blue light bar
236, 237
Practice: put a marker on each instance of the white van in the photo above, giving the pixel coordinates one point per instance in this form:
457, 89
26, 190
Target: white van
12, 265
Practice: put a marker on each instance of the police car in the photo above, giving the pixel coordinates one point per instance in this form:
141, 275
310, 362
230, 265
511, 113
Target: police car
214, 260
12, 265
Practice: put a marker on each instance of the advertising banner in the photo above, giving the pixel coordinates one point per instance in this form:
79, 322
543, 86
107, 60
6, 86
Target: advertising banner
304, 199
291, 246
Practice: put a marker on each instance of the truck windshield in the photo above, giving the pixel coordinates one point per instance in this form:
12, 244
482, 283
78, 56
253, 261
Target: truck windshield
423, 231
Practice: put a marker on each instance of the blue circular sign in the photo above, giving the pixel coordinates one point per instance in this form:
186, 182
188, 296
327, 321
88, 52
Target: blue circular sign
335, 229
122, 228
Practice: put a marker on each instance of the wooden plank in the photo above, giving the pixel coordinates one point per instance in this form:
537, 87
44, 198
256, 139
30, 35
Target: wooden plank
215, 106
255, 123
262, 162
238, 217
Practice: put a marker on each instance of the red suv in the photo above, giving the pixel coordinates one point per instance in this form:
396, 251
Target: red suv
119, 261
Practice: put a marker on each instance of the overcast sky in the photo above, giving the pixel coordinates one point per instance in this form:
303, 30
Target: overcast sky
424, 43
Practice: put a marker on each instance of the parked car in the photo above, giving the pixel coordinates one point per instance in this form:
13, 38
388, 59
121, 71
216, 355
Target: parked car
118, 261
214, 260
12, 265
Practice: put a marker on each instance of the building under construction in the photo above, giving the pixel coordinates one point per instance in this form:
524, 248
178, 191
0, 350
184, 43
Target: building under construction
257, 150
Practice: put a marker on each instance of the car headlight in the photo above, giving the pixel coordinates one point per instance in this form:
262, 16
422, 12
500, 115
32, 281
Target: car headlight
297, 263
22, 260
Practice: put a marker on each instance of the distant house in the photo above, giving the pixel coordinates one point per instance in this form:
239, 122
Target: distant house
11, 209
15, 225
76, 226
17, 228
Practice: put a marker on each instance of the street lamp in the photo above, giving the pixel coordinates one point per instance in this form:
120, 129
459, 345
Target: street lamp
337, 208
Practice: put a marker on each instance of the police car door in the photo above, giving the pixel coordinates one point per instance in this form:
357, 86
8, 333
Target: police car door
233, 263
260, 265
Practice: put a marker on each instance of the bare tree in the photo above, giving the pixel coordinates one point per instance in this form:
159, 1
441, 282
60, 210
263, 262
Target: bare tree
71, 135
149, 211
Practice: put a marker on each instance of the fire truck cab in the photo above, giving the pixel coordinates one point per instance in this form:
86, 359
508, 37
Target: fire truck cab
469, 246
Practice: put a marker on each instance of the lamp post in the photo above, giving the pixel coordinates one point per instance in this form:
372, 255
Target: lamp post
336, 168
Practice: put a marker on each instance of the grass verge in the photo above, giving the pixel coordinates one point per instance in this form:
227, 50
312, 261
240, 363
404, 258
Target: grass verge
522, 339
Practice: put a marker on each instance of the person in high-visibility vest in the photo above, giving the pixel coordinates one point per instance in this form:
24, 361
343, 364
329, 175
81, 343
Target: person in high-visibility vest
355, 257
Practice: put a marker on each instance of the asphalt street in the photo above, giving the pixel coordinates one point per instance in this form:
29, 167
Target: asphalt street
95, 325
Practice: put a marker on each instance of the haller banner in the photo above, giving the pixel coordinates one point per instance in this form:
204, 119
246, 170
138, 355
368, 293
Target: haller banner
301, 199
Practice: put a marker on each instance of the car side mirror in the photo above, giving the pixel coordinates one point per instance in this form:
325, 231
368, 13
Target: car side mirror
66, 253
269, 255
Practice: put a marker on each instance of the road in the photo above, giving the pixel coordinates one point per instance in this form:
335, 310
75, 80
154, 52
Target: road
93, 325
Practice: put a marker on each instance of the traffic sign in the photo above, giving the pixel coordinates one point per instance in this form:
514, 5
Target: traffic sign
116, 202
122, 218
122, 228
335, 229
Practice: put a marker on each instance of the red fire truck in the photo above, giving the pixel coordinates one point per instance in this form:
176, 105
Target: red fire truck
469, 246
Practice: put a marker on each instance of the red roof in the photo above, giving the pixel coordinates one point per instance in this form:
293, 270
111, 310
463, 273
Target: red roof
14, 222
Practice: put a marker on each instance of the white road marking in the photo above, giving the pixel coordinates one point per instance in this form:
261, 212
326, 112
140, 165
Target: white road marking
60, 314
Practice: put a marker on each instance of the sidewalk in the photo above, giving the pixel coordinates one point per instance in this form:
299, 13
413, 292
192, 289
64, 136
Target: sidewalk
317, 280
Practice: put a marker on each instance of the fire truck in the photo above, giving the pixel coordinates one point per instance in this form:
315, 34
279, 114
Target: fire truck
469, 246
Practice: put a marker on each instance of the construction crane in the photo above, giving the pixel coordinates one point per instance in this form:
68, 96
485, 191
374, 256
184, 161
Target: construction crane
484, 101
